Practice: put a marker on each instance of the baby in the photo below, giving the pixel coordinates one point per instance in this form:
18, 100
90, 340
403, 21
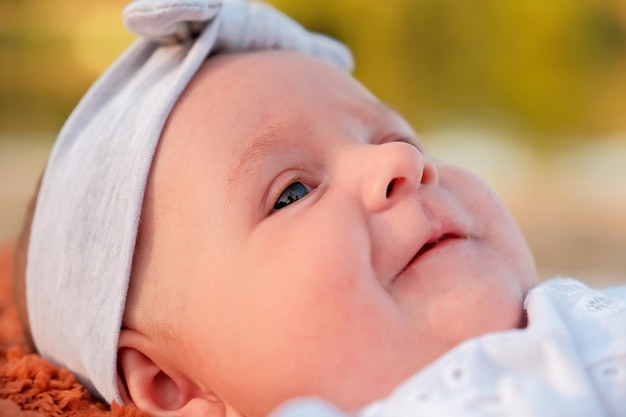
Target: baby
217, 236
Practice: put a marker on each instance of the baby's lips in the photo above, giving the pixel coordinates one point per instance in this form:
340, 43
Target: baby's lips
430, 244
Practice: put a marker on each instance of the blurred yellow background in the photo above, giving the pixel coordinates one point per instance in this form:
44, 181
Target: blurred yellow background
531, 94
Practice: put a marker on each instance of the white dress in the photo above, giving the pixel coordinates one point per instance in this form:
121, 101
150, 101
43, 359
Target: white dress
569, 361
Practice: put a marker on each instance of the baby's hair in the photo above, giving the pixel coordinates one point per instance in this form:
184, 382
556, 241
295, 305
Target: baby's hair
19, 269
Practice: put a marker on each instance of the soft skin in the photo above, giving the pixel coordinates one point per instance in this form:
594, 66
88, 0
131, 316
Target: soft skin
385, 260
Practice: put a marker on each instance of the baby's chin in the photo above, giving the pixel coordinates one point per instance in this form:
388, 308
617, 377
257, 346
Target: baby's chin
481, 315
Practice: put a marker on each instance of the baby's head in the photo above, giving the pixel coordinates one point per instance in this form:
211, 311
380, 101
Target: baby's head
296, 240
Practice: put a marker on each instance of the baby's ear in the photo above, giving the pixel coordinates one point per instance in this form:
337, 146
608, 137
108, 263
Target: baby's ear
144, 381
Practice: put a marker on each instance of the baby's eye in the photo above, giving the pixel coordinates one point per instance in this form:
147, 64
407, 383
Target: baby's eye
294, 192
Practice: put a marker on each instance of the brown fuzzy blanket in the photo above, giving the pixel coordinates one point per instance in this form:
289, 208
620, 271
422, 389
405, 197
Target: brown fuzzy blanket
30, 386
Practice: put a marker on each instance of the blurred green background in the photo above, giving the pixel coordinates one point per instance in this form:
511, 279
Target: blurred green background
552, 69
531, 94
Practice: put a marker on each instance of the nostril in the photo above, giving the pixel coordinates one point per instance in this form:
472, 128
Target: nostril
390, 188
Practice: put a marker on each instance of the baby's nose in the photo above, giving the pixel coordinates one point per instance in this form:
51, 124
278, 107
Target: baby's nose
393, 171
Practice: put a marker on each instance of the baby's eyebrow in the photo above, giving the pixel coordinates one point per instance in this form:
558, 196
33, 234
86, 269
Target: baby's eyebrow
270, 141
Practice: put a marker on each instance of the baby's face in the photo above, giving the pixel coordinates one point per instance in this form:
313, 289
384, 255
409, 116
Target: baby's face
307, 243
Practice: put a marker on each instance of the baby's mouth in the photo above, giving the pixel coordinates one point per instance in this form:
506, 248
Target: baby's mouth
428, 246
431, 244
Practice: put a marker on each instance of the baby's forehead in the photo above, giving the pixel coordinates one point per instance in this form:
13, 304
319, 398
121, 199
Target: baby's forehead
268, 76
253, 93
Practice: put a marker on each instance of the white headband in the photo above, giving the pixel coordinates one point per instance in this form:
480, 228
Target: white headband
85, 223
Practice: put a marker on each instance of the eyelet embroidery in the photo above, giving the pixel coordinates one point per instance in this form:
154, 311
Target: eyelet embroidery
455, 376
